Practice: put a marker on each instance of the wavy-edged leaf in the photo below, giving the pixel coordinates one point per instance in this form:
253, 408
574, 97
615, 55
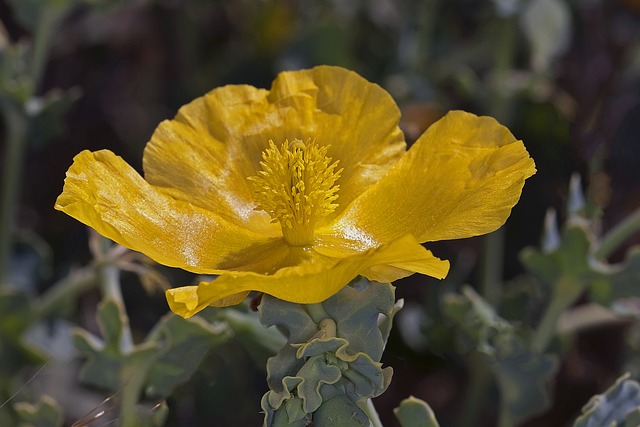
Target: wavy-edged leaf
333, 351
619, 404
45, 413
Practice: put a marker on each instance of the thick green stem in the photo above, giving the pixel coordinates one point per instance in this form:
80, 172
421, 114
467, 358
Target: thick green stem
50, 18
16, 138
109, 277
492, 266
475, 398
566, 292
493, 247
427, 13
547, 327
132, 381
617, 235
16, 124
316, 312
369, 409
502, 65
74, 284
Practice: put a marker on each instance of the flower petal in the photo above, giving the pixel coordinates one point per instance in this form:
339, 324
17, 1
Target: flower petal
308, 283
102, 191
460, 179
202, 156
205, 154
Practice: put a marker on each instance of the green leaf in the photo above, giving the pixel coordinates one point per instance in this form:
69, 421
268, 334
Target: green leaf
333, 350
45, 413
414, 412
108, 366
16, 317
618, 406
47, 112
632, 419
521, 375
260, 342
15, 82
572, 258
572, 262
168, 357
522, 378
622, 278
183, 345
340, 411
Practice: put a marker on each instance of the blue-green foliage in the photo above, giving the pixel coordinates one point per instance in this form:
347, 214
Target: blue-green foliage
167, 358
522, 375
413, 412
619, 406
15, 309
45, 413
332, 356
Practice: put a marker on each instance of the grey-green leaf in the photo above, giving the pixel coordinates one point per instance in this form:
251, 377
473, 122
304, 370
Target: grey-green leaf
183, 345
414, 412
45, 413
340, 411
522, 375
621, 402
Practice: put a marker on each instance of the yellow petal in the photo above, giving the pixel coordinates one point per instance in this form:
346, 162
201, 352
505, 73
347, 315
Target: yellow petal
308, 283
205, 154
460, 179
102, 191
202, 157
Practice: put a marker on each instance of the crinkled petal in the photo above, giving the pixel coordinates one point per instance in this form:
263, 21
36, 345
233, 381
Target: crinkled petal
460, 179
205, 154
102, 191
308, 283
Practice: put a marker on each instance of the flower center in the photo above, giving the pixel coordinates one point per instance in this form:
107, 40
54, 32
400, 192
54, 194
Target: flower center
296, 187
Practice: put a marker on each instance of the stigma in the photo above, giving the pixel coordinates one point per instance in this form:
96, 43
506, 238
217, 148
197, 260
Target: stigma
296, 187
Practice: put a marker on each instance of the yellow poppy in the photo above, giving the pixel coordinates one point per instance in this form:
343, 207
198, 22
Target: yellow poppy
296, 190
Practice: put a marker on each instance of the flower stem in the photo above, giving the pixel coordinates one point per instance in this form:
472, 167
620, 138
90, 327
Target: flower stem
547, 327
109, 277
493, 254
565, 294
316, 312
67, 288
131, 382
492, 266
50, 17
475, 398
369, 409
16, 126
617, 235
503, 63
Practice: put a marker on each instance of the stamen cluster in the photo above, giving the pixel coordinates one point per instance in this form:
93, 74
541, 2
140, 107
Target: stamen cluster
296, 187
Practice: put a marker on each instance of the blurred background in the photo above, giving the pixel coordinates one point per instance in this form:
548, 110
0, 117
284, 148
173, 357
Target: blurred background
563, 75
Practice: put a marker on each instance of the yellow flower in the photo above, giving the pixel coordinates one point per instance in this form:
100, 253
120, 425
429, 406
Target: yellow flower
297, 190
